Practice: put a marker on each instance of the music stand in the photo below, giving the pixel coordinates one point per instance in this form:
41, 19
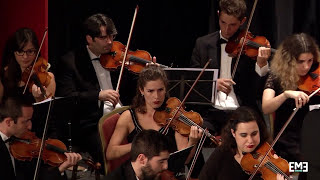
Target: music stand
61, 115
181, 80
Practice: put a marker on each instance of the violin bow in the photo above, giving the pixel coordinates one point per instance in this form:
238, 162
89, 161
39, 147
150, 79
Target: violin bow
44, 134
199, 147
34, 62
182, 102
295, 110
127, 47
244, 39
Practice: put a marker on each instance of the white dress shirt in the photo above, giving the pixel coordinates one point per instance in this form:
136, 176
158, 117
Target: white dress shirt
104, 79
230, 102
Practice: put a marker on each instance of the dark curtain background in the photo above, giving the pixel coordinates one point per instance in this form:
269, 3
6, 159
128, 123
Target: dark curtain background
168, 28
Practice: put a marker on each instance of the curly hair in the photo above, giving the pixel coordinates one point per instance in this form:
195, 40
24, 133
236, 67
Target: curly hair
242, 115
236, 8
283, 64
149, 73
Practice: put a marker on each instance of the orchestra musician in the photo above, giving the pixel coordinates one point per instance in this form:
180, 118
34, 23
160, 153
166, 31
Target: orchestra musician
151, 94
20, 55
295, 57
149, 157
249, 78
244, 132
80, 75
15, 120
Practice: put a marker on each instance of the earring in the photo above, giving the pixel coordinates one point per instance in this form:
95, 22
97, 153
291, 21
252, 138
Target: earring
142, 95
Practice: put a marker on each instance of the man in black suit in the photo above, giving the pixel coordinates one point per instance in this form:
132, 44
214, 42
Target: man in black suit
15, 120
149, 158
80, 75
250, 74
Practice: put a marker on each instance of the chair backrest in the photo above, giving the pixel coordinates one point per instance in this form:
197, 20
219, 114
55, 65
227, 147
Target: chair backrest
106, 126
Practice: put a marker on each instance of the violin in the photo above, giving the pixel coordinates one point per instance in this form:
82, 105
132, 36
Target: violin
251, 45
311, 81
269, 168
184, 120
40, 75
28, 145
135, 60
167, 175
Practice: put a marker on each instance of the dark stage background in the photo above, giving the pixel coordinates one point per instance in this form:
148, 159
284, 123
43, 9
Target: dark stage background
165, 28
168, 28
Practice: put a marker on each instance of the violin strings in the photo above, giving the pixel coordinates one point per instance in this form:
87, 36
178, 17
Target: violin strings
275, 169
253, 44
189, 122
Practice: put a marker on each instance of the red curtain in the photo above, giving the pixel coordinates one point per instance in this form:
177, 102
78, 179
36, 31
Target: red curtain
15, 14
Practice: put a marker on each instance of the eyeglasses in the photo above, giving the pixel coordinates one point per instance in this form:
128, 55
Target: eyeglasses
110, 36
29, 52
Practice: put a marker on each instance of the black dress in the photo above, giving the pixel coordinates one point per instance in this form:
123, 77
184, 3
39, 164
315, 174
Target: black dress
288, 145
171, 137
221, 165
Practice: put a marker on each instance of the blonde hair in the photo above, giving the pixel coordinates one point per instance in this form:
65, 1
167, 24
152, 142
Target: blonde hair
283, 64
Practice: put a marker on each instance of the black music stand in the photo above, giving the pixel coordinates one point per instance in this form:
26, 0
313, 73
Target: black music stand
59, 125
181, 80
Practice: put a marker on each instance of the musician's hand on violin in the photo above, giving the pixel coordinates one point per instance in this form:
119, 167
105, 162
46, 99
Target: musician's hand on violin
36, 91
109, 95
195, 135
300, 97
263, 56
72, 159
281, 177
225, 85
153, 62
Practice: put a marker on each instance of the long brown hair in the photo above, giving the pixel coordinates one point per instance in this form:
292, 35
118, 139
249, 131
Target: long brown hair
242, 115
12, 74
283, 64
149, 73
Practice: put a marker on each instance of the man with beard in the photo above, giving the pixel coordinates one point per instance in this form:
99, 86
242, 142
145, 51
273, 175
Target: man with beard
149, 157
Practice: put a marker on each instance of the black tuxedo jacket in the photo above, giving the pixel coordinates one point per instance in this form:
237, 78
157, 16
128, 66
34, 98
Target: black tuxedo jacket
124, 172
24, 170
77, 78
249, 85
6, 167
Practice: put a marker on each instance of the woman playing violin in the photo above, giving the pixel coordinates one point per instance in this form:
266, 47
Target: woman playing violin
244, 133
296, 57
151, 94
22, 51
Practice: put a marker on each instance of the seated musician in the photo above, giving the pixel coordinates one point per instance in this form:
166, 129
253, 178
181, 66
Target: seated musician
244, 133
15, 120
245, 88
149, 157
151, 94
19, 57
296, 57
